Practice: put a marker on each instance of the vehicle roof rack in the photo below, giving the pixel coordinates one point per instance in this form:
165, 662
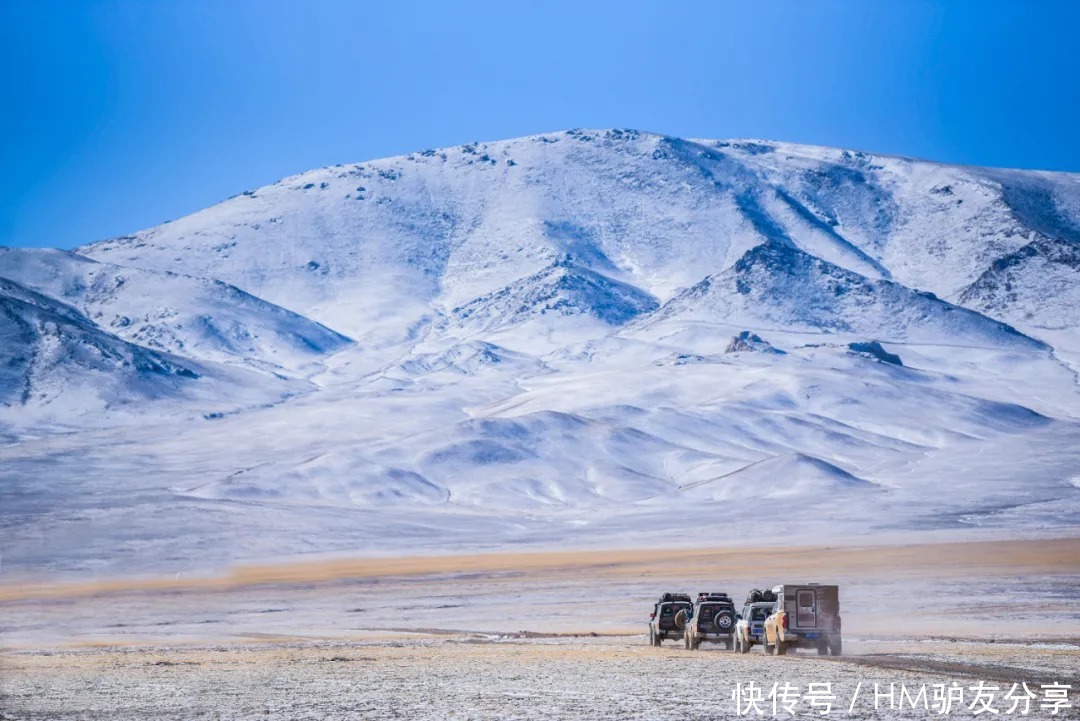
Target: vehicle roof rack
707, 596
759, 596
674, 597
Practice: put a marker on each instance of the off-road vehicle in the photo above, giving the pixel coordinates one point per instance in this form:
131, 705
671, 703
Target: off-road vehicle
712, 619
807, 615
662, 622
751, 624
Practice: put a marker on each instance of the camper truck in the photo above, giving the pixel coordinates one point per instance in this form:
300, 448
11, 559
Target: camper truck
806, 615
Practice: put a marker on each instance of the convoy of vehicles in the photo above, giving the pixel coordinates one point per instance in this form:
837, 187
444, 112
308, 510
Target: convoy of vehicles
781, 619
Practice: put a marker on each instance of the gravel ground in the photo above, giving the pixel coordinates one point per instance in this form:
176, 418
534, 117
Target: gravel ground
508, 636
483, 677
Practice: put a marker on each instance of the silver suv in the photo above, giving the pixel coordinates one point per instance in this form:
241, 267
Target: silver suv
668, 617
750, 628
712, 619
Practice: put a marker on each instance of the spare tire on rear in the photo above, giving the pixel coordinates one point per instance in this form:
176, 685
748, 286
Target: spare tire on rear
724, 621
680, 619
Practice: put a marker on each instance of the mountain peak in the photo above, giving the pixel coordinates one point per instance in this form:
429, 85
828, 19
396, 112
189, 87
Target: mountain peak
563, 288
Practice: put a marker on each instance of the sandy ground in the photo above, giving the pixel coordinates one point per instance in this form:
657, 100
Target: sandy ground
495, 636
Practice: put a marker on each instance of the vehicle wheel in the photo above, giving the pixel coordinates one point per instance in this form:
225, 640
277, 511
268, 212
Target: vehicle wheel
823, 649
652, 637
836, 647
686, 641
746, 645
779, 648
737, 645
724, 622
765, 644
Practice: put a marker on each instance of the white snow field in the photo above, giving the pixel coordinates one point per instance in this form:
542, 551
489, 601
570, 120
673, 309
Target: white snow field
529, 343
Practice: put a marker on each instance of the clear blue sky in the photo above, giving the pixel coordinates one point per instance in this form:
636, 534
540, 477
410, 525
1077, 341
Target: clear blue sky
115, 116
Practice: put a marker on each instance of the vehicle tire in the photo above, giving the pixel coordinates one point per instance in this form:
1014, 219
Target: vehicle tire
696, 645
746, 645
765, 643
652, 637
724, 621
736, 644
823, 649
836, 647
686, 641
779, 648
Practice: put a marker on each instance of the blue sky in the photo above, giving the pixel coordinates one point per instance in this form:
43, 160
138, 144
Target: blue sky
115, 116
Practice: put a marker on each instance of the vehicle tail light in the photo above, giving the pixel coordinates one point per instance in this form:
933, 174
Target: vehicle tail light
652, 616
785, 621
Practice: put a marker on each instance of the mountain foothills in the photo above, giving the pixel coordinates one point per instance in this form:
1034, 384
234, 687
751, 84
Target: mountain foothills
588, 337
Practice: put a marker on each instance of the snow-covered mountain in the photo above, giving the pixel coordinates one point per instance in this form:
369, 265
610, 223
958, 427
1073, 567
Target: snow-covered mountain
452, 225
780, 286
202, 319
50, 353
589, 336
59, 371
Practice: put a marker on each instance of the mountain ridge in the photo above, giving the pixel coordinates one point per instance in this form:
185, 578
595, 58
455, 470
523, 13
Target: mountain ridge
551, 336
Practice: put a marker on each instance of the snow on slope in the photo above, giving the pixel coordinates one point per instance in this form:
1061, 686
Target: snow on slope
799, 476
587, 453
775, 285
559, 291
541, 327
357, 246
202, 319
61, 372
1035, 286
51, 353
